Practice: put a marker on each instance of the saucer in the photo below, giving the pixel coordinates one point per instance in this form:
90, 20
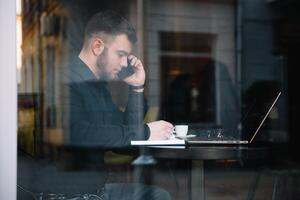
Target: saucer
188, 136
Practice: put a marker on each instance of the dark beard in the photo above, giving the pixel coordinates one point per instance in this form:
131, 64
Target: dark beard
101, 64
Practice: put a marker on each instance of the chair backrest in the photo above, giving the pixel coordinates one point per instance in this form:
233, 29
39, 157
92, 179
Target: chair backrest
152, 114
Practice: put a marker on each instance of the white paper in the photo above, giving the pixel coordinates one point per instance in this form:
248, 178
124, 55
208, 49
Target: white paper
173, 141
169, 146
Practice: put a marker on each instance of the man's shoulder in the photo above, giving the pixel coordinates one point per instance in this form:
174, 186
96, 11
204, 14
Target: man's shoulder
75, 71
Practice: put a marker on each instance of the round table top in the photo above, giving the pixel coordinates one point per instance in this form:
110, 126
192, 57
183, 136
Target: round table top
211, 152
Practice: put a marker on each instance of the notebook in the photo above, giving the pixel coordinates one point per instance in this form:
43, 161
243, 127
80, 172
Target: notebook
224, 140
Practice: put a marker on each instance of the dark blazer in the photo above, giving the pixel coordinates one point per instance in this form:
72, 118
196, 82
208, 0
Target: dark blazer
91, 124
92, 119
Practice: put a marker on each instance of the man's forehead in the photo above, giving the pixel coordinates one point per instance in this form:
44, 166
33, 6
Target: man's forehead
121, 43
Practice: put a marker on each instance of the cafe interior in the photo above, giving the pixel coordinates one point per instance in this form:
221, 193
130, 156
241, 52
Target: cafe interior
210, 64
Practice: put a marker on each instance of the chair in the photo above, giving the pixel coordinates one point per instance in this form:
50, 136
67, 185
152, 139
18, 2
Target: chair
286, 182
152, 114
119, 163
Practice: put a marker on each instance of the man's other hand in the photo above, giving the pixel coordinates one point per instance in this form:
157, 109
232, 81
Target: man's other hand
139, 76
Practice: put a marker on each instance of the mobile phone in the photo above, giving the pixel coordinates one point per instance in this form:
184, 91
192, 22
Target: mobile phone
126, 71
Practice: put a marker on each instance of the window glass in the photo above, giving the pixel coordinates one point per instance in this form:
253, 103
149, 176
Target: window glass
202, 63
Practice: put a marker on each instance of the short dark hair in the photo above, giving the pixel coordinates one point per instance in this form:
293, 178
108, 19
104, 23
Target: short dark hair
110, 23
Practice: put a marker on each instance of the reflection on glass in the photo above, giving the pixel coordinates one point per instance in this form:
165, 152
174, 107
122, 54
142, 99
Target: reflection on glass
201, 68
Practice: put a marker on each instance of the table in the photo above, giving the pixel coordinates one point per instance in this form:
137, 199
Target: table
196, 156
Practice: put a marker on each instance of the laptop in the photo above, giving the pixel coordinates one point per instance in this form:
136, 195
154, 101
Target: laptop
223, 140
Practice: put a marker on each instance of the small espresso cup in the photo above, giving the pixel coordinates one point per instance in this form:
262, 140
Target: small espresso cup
181, 130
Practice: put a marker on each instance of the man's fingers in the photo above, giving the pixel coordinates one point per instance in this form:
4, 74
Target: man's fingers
132, 59
161, 129
136, 62
168, 124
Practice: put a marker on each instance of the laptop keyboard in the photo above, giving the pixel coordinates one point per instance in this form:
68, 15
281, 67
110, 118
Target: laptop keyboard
212, 135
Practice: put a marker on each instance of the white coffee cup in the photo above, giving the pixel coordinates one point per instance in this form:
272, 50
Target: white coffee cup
181, 130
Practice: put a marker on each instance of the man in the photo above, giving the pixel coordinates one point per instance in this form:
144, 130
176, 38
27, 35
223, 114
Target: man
92, 119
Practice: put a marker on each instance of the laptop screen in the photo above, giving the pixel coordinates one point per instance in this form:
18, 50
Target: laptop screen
257, 114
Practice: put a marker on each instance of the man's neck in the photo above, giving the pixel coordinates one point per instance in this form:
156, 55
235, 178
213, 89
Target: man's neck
85, 58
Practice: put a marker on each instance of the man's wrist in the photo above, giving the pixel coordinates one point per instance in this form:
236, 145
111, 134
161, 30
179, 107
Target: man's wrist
139, 88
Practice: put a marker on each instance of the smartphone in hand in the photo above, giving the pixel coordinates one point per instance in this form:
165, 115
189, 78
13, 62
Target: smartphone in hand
126, 71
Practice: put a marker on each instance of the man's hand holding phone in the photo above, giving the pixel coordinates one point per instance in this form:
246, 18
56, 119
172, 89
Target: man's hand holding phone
134, 73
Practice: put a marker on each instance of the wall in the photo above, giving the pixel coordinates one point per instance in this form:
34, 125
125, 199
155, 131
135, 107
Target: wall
195, 17
8, 101
258, 59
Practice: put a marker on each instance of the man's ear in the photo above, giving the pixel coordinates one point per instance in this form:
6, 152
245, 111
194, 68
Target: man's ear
97, 46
